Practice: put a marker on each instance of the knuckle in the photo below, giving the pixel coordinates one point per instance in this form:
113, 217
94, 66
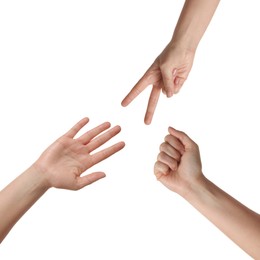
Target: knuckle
167, 138
164, 66
156, 166
195, 145
163, 146
159, 157
177, 156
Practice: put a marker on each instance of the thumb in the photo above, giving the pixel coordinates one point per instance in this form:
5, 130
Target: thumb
178, 82
89, 179
168, 79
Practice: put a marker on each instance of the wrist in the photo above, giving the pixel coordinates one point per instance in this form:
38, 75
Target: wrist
184, 45
39, 177
196, 189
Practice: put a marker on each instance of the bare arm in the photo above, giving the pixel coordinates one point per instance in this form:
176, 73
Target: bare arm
171, 68
193, 22
238, 222
60, 166
178, 167
18, 197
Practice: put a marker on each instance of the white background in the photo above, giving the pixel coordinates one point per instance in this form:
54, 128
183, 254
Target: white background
63, 60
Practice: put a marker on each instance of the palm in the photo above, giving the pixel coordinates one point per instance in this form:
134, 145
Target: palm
68, 157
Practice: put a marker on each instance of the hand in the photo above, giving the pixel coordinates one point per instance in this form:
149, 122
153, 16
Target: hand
178, 165
168, 73
68, 157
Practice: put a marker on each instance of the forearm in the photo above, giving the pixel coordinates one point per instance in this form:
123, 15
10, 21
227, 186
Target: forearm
18, 197
238, 222
193, 22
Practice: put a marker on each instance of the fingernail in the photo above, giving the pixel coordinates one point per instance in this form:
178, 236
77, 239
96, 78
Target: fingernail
169, 94
177, 81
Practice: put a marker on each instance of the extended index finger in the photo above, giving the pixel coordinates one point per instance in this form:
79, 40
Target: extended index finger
135, 91
151, 76
89, 135
75, 129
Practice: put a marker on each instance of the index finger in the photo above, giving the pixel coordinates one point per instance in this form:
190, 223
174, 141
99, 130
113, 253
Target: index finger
135, 91
151, 76
75, 129
175, 142
89, 135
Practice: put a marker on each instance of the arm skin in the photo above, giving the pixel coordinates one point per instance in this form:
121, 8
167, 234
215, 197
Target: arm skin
61, 166
172, 67
178, 167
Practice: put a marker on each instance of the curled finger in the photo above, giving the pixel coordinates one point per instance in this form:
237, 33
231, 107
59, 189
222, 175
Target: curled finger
171, 151
168, 160
160, 169
175, 143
